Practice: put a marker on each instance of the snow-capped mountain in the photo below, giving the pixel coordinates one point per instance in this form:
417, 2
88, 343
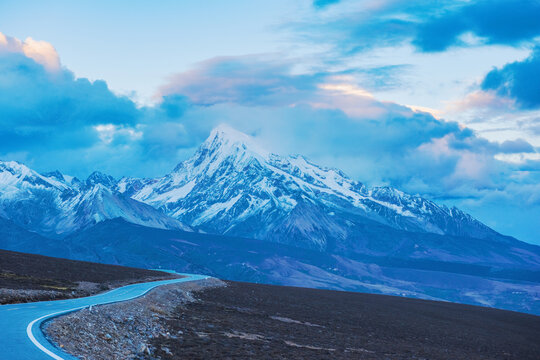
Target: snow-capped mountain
54, 204
338, 233
233, 186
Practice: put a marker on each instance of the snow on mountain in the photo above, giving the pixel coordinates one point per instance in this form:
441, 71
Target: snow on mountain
233, 186
54, 204
99, 178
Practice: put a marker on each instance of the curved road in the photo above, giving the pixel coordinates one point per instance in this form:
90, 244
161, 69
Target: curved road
20, 324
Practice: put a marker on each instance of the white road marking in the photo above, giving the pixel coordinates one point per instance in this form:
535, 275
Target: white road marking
37, 343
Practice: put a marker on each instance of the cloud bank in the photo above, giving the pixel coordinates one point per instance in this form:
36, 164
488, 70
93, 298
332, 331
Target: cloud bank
519, 81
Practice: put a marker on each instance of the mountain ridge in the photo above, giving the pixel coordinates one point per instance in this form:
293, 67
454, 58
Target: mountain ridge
232, 186
261, 217
56, 205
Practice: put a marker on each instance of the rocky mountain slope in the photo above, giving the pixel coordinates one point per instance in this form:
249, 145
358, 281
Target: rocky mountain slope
56, 205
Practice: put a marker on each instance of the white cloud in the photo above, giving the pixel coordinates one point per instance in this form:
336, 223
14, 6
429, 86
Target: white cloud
41, 52
494, 117
518, 158
479, 99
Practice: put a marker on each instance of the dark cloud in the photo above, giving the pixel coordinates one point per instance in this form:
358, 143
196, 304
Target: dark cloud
498, 22
43, 109
431, 25
516, 146
519, 80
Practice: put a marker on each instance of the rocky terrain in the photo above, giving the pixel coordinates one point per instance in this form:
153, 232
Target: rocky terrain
124, 330
55, 205
28, 277
252, 321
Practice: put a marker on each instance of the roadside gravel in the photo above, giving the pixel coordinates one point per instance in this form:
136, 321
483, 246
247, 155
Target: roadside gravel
124, 330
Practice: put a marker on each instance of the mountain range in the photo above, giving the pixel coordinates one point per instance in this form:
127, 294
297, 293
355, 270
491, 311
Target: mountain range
233, 186
56, 205
217, 210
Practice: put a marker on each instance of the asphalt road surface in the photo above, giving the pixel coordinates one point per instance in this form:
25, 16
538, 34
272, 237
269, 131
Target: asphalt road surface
21, 336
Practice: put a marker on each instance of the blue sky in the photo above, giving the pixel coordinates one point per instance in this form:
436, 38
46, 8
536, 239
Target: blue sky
440, 98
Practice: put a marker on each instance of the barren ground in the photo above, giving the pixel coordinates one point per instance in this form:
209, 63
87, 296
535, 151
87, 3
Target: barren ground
249, 321
252, 321
28, 277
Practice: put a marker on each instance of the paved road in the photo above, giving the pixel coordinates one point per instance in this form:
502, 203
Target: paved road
20, 324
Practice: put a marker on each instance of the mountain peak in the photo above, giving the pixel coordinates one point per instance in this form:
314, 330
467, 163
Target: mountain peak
14, 175
227, 132
55, 174
229, 140
225, 144
14, 166
98, 177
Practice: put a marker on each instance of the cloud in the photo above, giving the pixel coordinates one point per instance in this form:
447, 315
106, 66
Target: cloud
519, 81
262, 80
478, 99
253, 79
430, 26
512, 210
534, 126
495, 22
324, 3
46, 113
269, 80
43, 109
331, 118
516, 146
41, 52
328, 117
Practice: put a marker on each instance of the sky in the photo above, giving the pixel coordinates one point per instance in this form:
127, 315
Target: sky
437, 98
